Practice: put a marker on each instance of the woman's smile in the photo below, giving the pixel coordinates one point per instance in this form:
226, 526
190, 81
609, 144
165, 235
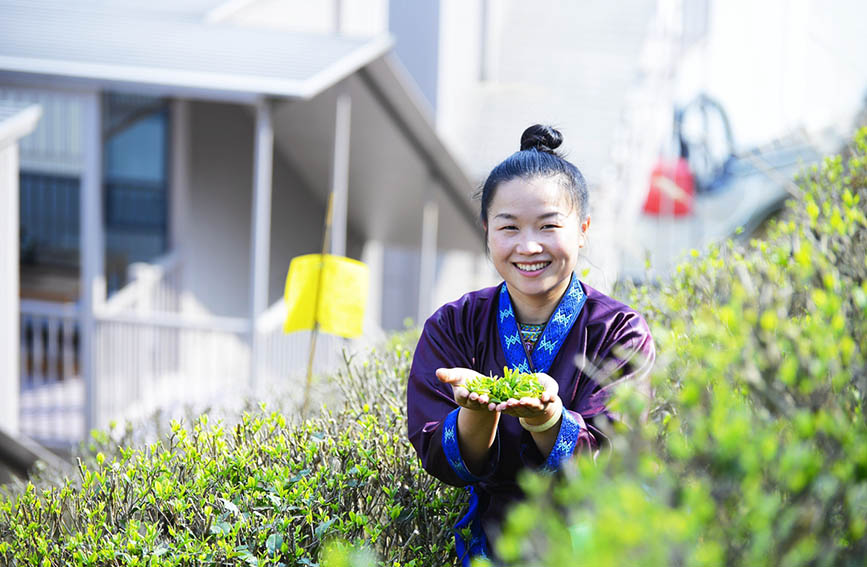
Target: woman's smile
531, 269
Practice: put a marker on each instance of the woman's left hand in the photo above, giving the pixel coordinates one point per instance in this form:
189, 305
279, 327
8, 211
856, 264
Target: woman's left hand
530, 408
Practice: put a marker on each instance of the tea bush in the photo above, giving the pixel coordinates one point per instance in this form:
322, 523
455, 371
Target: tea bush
264, 491
755, 451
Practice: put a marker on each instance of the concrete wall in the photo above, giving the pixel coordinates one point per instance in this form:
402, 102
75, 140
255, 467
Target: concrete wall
416, 29
9, 320
217, 229
216, 263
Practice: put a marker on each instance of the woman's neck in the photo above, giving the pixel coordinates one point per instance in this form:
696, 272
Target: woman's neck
535, 310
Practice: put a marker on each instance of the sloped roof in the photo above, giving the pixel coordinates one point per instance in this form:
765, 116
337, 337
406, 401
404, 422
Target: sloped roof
177, 53
95, 41
17, 119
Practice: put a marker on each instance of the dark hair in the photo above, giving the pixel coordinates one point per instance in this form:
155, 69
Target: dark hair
536, 158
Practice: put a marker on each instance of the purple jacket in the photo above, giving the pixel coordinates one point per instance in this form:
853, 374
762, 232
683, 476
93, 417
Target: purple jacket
612, 338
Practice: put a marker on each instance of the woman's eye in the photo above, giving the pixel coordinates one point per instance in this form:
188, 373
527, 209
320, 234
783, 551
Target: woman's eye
547, 226
509, 227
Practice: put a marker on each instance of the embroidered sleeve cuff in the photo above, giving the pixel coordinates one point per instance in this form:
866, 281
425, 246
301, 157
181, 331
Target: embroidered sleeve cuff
452, 449
565, 444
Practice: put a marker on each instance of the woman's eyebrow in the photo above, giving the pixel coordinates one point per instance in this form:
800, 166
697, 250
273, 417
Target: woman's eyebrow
552, 214
510, 216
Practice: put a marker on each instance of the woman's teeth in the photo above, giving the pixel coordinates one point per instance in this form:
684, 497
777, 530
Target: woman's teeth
531, 267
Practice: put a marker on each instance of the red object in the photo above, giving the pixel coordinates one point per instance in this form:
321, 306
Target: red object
672, 189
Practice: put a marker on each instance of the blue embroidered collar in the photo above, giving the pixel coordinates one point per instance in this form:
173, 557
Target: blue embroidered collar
552, 338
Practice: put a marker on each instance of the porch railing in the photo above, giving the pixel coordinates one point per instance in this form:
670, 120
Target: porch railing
151, 288
150, 354
52, 396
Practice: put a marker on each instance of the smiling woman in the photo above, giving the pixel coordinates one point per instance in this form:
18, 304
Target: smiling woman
579, 342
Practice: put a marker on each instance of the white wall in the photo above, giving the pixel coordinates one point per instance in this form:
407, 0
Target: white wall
363, 18
780, 65
9, 319
459, 64
569, 64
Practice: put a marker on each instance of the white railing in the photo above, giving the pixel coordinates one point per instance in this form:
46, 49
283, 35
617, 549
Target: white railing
152, 288
282, 359
164, 360
151, 355
52, 391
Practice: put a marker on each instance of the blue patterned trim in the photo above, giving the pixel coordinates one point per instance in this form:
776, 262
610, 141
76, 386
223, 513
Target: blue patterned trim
552, 338
565, 444
470, 540
452, 448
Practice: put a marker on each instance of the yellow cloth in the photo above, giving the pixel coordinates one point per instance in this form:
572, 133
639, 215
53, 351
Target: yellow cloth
343, 294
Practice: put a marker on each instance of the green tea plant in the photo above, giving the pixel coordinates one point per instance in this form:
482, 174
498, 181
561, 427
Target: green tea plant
755, 451
513, 384
264, 491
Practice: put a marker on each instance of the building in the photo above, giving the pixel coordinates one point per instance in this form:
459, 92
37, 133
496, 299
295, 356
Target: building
181, 163
16, 121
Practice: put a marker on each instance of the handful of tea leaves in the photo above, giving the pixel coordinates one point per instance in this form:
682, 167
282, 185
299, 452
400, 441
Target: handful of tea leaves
513, 384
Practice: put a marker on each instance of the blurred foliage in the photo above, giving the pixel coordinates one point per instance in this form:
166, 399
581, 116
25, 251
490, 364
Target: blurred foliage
264, 491
755, 449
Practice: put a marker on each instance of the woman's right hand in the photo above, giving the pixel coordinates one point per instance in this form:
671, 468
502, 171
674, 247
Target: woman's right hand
457, 379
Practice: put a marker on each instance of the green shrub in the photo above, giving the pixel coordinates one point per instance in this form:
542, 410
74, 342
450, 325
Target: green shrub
755, 452
264, 491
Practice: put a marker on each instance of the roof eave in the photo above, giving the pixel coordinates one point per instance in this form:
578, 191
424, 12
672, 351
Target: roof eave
19, 124
191, 84
407, 106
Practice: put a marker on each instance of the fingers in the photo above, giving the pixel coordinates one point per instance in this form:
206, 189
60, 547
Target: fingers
481, 399
551, 386
525, 407
455, 376
461, 394
532, 404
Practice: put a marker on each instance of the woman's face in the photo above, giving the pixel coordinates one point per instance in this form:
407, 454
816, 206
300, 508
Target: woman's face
534, 234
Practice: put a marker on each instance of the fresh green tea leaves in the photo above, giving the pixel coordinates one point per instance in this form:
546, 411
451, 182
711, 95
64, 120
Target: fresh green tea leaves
513, 384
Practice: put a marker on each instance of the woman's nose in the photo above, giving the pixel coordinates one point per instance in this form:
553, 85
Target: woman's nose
529, 245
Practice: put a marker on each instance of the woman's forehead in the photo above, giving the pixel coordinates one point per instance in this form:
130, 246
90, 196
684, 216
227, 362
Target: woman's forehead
537, 196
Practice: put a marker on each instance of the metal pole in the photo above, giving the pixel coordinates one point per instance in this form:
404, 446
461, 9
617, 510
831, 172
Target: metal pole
335, 221
92, 243
314, 333
340, 172
338, 16
263, 155
427, 269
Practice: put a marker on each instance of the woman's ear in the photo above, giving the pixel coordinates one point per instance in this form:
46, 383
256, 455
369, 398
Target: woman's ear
582, 235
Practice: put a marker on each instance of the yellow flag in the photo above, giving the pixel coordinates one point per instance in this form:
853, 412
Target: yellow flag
342, 287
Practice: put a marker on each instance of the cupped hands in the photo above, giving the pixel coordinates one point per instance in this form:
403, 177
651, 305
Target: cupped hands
528, 408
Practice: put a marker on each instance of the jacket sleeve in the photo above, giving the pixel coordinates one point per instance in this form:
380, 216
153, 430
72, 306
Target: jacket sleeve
626, 353
431, 409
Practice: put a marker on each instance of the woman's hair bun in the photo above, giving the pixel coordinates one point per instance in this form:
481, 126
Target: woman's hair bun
542, 138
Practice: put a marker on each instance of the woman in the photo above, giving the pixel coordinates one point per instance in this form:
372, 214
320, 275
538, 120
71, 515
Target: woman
541, 319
